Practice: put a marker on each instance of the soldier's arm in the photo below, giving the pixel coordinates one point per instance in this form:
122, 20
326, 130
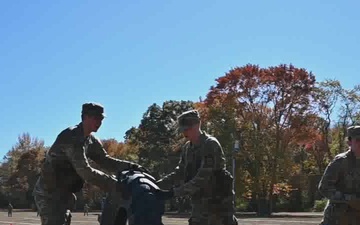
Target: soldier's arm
76, 154
99, 155
213, 159
176, 177
327, 184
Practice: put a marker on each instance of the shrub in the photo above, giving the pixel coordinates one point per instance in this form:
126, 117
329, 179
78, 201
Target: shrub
319, 205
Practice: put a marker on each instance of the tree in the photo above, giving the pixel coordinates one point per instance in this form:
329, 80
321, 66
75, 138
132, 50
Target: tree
21, 168
326, 95
156, 137
265, 102
349, 114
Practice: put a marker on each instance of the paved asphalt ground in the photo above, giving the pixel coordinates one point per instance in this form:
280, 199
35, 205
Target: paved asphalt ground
29, 218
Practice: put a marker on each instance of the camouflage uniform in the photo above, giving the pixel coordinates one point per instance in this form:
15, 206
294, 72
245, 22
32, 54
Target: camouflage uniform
199, 174
86, 209
10, 210
340, 184
66, 167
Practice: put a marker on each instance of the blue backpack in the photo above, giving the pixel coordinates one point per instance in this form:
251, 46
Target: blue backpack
145, 208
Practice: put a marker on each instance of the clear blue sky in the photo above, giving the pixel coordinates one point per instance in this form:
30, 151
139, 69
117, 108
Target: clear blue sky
56, 55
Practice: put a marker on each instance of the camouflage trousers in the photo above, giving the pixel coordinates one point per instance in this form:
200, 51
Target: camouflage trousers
52, 208
340, 214
205, 212
347, 218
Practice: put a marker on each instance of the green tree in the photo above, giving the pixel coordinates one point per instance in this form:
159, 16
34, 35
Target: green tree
21, 168
156, 139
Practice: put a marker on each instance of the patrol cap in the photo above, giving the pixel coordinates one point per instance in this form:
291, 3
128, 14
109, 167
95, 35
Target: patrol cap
354, 132
93, 109
188, 119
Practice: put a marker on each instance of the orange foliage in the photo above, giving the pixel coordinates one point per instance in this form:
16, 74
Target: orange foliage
117, 149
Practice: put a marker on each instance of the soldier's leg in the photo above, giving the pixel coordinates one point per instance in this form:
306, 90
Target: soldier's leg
199, 214
206, 218
227, 211
336, 215
204, 213
52, 210
223, 219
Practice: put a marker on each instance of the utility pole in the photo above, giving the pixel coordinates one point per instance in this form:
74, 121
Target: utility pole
235, 150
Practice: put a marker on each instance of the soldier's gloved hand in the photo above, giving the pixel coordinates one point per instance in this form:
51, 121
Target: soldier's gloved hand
164, 194
138, 167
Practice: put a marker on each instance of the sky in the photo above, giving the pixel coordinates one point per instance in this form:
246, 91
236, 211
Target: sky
127, 55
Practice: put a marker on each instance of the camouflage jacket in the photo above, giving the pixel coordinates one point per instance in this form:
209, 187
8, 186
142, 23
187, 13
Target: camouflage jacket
66, 165
340, 183
194, 174
341, 178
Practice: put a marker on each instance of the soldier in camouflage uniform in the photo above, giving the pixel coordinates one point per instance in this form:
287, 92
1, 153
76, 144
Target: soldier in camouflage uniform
66, 167
10, 210
340, 184
86, 210
201, 173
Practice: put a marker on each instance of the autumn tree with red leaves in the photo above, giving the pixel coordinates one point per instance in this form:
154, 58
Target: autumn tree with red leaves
262, 103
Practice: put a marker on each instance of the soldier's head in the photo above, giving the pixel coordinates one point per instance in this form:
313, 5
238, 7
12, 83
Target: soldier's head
189, 124
92, 115
353, 134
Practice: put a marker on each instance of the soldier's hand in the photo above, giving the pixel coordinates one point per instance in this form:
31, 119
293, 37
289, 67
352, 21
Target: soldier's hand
164, 194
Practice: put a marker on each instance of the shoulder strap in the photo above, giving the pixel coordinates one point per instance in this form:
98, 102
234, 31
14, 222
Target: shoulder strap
351, 160
203, 144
